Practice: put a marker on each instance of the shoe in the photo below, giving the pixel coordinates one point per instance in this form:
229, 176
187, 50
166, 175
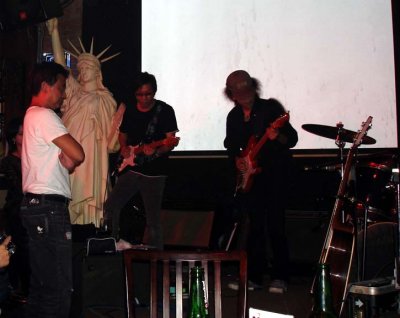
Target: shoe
277, 286
251, 286
123, 245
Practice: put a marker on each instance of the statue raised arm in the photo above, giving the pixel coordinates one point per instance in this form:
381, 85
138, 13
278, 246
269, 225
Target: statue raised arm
58, 50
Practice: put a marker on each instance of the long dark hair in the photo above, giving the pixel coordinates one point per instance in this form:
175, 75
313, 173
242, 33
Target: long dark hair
255, 83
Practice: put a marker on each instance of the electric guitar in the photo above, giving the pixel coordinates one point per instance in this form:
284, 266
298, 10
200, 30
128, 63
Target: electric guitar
139, 149
244, 180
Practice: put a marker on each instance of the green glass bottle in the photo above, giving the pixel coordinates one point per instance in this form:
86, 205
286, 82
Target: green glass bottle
323, 306
198, 306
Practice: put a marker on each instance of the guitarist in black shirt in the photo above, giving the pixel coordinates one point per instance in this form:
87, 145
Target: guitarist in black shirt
258, 139
147, 136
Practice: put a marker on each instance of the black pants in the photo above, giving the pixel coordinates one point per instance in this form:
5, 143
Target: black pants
265, 209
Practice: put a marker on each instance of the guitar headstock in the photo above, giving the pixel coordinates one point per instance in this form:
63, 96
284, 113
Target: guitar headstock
280, 121
365, 126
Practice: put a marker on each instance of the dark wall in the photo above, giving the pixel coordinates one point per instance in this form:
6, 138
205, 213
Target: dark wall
17, 55
117, 23
208, 184
18, 14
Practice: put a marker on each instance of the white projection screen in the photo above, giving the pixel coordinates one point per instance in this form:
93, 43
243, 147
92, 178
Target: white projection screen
326, 61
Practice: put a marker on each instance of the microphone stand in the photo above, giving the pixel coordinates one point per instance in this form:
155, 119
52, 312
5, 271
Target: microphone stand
340, 143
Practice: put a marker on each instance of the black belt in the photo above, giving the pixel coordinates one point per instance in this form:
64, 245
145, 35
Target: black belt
47, 197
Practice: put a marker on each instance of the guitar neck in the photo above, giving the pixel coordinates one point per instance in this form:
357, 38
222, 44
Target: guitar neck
336, 220
346, 173
256, 149
155, 144
278, 123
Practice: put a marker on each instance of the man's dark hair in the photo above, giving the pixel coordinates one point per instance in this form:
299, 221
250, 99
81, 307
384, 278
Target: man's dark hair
45, 72
143, 79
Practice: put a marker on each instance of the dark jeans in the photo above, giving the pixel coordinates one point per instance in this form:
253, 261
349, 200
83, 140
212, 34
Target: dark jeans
19, 269
265, 209
49, 228
151, 189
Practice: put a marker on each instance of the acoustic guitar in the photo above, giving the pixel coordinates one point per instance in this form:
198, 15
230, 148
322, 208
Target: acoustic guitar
339, 242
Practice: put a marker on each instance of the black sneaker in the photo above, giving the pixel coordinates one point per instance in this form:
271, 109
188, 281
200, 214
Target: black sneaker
277, 286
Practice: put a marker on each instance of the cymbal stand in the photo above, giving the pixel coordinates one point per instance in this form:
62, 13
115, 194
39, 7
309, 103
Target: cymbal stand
340, 143
364, 245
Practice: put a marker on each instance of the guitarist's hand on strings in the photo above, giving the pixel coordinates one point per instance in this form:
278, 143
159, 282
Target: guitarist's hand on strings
125, 151
241, 164
272, 133
148, 150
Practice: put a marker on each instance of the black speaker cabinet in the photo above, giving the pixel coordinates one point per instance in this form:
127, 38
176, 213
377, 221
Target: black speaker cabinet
103, 286
19, 13
185, 228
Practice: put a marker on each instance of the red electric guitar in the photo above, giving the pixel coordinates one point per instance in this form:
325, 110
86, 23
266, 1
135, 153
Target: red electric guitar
138, 149
249, 155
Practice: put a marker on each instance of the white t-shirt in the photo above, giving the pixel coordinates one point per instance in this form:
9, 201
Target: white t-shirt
42, 172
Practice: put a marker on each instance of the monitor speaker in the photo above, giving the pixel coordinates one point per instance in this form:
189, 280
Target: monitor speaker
103, 285
185, 228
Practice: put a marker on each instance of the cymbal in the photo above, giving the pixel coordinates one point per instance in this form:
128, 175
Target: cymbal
332, 132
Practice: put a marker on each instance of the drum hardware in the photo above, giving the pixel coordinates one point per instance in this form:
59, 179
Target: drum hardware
376, 190
337, 133
361, 265
375, 203
380, 250
396, 182
379, 221
341, 136
339, 241
373, 188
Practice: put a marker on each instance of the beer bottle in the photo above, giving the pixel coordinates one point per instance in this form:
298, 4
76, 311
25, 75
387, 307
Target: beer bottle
323, 294
198, 297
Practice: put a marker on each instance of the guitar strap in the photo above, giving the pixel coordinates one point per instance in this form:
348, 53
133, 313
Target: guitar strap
151, 128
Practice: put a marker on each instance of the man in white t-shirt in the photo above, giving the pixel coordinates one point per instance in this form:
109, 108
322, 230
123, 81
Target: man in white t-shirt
49, 154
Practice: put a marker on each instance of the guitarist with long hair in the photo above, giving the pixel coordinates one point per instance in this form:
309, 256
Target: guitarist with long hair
147, 136
258, 139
